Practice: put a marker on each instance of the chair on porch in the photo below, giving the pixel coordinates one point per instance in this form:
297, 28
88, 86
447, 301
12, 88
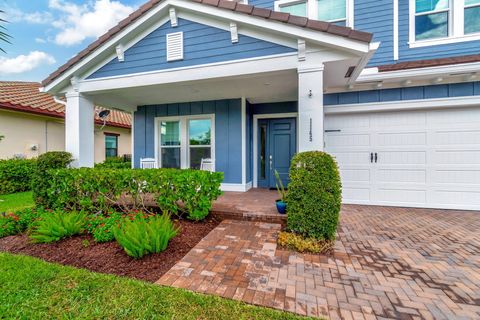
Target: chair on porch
207, 164
148, 163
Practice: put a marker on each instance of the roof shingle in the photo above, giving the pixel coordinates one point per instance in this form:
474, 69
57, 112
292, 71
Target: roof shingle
26, 97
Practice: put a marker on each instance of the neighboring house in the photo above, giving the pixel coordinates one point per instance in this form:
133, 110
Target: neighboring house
33, 123
395, 99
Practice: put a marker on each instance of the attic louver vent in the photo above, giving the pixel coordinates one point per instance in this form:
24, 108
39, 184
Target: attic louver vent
175, 46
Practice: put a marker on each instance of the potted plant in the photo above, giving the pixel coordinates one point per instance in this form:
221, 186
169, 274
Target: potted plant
281, 204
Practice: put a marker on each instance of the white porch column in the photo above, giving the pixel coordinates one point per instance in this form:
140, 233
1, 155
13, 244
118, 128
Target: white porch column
79, 129
310, 108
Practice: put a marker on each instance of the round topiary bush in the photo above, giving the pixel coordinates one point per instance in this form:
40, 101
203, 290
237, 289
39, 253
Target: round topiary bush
314, 195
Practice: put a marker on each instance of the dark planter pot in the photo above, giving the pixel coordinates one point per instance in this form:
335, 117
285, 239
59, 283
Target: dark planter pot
281, 206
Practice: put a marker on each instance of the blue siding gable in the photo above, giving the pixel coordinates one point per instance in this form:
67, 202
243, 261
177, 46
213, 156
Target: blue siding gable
202, 44
399, 94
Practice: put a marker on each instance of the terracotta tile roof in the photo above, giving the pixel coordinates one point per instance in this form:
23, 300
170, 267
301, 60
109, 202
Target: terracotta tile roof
224, 4
429, 63
26, 97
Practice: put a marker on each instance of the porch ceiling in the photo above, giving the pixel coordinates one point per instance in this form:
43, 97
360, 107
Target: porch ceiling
257, 88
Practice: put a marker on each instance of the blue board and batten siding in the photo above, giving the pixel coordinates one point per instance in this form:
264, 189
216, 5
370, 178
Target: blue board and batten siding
202, 45
399, 94
228, 132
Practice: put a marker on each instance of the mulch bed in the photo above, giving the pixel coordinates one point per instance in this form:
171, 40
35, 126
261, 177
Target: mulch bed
109, 257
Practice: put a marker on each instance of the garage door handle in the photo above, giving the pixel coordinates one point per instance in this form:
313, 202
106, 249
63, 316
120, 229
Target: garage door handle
376, 157
371, 157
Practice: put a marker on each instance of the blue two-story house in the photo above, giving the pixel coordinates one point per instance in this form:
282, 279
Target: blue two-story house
389, 87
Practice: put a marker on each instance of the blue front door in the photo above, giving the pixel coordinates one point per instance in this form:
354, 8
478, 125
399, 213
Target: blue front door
276, 147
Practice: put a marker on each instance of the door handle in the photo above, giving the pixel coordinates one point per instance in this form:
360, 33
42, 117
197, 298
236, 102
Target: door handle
271, 162
376, 157
371, 157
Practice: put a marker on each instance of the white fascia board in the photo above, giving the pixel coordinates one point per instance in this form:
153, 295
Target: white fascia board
193, 73
372, 74
322, 38
363, 62
421, 104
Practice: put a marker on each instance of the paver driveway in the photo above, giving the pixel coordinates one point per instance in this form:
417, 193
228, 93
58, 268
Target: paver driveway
388, 263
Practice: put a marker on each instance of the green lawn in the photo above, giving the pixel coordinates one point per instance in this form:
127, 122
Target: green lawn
16, 201
33, 289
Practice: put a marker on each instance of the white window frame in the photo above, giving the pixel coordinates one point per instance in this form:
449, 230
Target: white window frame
184, 140
455, 27
312, 9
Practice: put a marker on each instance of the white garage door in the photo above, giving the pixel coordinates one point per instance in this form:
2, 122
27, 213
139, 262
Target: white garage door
415, 158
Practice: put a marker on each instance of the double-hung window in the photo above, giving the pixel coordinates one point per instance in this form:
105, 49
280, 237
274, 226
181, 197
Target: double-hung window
443, 21
111, 145
471, 17
184, 141
431, 19
339, 12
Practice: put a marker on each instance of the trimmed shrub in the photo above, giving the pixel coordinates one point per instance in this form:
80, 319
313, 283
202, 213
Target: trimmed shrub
115, 163
42, 174
17, 222
16, 175
144, 236
189, 192
314, 195
54, 226
299, 243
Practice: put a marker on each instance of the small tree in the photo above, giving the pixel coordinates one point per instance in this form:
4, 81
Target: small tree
4, 36
314, 195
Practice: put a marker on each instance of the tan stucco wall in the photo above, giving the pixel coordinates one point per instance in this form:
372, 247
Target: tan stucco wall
124, 141
23, 130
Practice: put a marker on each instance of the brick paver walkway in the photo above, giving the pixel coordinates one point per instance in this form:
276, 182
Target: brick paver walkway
388, 263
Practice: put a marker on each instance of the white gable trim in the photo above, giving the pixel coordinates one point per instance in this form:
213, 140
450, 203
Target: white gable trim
130, 35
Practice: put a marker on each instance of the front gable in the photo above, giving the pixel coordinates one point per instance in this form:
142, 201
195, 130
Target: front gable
202, 44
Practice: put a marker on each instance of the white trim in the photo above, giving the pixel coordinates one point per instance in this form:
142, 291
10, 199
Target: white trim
173, 17
372, 74
255, 137
435, 42
233, 32
132, 136
395, 30
198, 72
363, 62
184, 144
236, 187
244, 139
421, 104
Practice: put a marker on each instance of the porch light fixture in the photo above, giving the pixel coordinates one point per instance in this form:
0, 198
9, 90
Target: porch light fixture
407, 82
379, 85
438, 80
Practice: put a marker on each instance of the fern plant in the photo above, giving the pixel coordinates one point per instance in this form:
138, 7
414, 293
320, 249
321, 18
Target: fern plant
54, 226
144, 236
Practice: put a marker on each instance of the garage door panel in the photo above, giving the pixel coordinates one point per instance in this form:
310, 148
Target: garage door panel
402, 176
402, 119
356, 195
402, 139
345, 158
401, 158
456, 176
455, 117
456, 137
457, 157
355, 175
348, 140
457, 198
400, 196
346, 122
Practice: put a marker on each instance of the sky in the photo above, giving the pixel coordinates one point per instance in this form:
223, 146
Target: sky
47, 33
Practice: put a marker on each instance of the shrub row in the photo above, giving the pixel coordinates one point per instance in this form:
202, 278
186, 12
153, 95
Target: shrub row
102, 190
115, 163
314, 195
16, 175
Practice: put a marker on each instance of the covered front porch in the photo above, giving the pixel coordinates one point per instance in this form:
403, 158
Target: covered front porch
204, 83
